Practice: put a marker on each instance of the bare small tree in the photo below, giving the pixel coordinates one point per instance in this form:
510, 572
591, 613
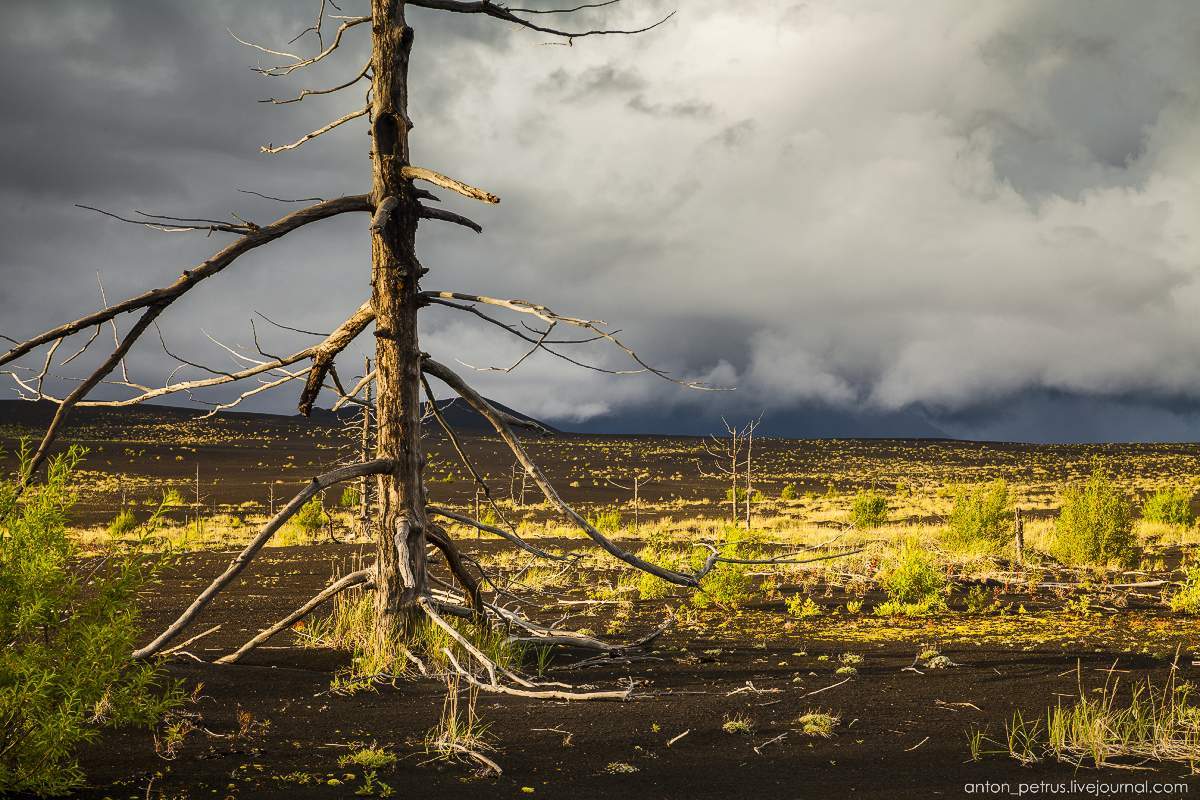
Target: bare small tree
730, 458
748, 435
637, 479
724, 462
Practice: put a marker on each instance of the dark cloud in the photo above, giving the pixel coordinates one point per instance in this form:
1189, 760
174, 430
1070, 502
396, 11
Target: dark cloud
975, 219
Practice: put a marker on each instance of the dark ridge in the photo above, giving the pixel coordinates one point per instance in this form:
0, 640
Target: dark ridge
37, 414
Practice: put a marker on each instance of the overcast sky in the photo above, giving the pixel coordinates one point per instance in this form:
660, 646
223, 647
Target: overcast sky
979, 219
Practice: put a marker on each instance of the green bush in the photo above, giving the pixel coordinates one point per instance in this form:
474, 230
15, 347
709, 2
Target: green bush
123, 523
68, 629
802, 607
980, 516
869, 510
1095, 525
311, 517
606, 520
1187, 599
790, 492
350, 497
914, 582
1171, 506
756, 496
728, 585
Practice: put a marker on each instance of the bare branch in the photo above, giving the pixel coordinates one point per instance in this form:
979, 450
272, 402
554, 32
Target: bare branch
207, 269
307, 92
349, 396
297, 62
287, 327
317, 484
326, 351
485, 409
442, 541
546, 315
175, 224
449, 216
503, 534
502, 13
562, 10
544, 694
283, 200
359, 578
383, 213
362, 112
438, 179
64, 408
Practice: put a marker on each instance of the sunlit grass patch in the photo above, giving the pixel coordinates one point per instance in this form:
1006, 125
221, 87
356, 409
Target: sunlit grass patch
1100, 729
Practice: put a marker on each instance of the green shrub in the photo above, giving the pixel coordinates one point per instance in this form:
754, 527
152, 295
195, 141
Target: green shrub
65, 671
1095, 525
606, 520
728, 585
1187, 599
123, 523
1171, 506
651, 587
914, 582
790, 492
305, 525
350, 497
802, 607
869, 510
311, 517
755, 495
980, 516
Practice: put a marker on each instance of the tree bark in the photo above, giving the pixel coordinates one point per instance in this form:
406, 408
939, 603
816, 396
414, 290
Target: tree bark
364, 487
395, 271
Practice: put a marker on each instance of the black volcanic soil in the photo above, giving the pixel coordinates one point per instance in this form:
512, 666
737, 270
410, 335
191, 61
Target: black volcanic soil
902, 734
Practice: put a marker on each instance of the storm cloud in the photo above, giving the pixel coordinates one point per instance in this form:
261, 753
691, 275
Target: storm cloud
974, 219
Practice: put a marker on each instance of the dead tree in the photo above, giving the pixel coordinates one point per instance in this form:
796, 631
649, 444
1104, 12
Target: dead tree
404, 521
748, 435
366, 443
731, 459
638, 480
725, 455
395, 206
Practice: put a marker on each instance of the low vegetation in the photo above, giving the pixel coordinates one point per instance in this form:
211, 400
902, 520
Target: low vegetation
1169, 506
376, 658
1099, 729
818, 723
1186, 599
929, 563
1095, 524
980, 517
914, 581
869, 510
65, 671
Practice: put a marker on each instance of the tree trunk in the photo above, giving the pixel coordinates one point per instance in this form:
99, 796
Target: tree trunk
400, 535
749, 473
364, 454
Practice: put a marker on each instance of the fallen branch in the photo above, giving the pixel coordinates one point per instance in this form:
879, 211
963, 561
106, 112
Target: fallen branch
540, 694
485, 409
362, 577
243, 558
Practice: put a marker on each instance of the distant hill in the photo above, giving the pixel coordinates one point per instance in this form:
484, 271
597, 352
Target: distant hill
27, 414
